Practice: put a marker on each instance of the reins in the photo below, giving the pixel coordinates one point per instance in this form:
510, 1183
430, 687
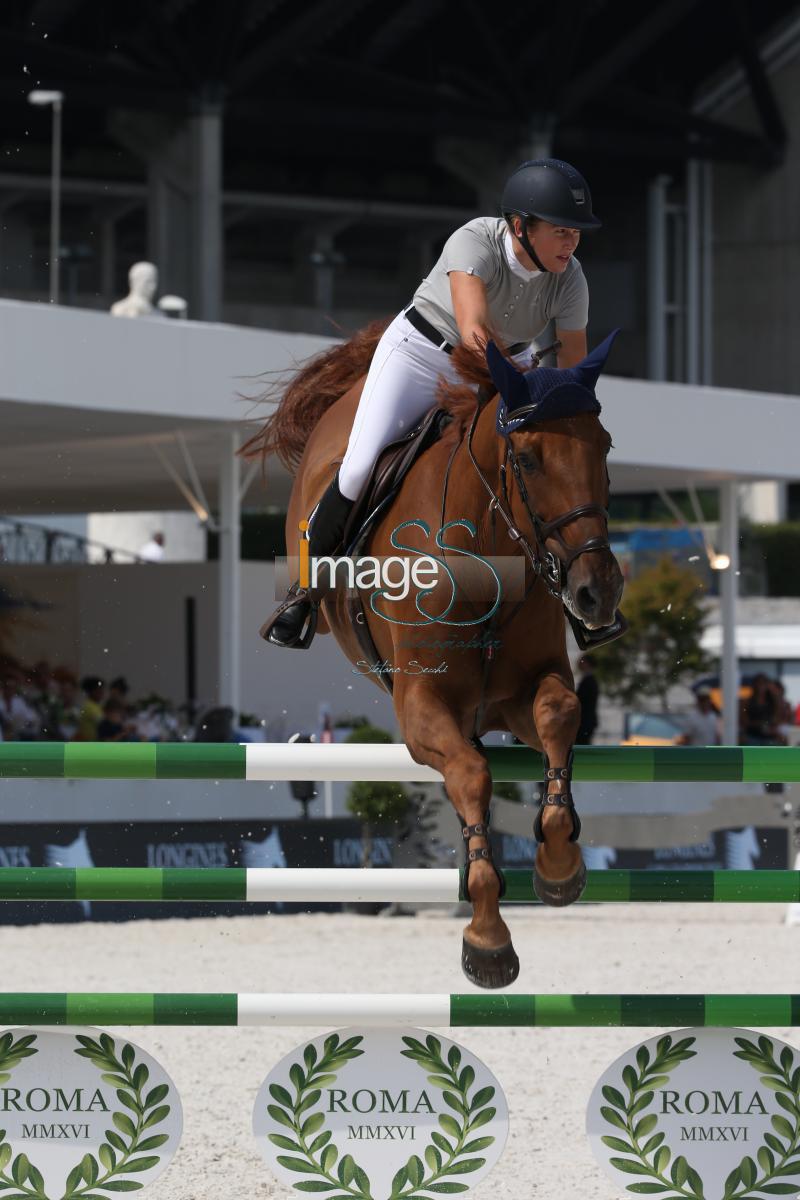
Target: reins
550, 567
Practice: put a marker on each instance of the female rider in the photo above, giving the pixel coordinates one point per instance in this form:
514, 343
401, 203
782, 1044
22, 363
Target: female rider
502, 278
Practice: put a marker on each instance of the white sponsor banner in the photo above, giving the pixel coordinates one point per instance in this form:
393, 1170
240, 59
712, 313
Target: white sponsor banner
386, 1114
701, 1114
82, 1114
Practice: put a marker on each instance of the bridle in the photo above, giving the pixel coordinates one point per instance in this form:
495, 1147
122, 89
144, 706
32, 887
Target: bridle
552, 568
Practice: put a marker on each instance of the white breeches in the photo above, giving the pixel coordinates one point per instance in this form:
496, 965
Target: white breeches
399, 389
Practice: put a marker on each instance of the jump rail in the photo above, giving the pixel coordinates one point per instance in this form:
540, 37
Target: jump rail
246, 1008
345, 884
277, 761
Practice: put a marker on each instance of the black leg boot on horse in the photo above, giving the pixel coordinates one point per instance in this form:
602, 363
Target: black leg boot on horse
558, 893
294, 622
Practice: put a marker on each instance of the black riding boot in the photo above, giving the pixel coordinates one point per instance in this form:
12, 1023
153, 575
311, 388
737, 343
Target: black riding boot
295, 621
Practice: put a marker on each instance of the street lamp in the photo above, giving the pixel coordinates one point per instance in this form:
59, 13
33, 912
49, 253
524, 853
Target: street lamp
54, 100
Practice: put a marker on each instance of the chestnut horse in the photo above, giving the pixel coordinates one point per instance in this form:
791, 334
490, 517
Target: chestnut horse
537, 495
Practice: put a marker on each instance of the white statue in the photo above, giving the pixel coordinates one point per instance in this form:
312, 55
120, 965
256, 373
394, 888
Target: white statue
143, 280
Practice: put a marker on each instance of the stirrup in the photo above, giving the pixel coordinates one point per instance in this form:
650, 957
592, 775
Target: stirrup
295, 596
557, 799
481, 829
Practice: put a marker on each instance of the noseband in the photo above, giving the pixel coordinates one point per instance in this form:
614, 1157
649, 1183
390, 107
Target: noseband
552, 568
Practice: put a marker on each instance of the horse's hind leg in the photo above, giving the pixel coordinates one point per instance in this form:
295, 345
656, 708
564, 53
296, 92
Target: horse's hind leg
559, 874
433, 737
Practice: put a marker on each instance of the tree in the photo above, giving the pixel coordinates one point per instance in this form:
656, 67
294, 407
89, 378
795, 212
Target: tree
375, 803
662, 646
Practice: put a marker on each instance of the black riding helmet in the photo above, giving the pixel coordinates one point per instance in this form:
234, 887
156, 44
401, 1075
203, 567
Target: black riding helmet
552, 190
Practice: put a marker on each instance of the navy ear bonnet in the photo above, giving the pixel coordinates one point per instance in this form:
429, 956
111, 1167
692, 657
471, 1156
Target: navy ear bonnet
545, 393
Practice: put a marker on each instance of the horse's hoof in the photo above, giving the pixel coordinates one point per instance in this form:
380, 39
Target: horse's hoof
560, 893
489, 968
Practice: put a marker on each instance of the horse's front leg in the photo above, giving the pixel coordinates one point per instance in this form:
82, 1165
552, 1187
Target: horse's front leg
434, 737
559, 874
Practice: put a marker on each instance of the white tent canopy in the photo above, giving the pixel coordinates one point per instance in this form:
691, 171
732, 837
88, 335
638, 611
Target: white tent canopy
92, 406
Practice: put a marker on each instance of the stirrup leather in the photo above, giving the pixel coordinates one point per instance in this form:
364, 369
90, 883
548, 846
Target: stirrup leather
480, 829
557, 799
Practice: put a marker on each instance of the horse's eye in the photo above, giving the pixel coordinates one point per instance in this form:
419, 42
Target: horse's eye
528, 463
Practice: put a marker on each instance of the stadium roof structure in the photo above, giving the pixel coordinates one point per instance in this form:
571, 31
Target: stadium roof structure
357, 94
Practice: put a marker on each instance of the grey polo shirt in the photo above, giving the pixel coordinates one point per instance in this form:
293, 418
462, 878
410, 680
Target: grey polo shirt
521, 302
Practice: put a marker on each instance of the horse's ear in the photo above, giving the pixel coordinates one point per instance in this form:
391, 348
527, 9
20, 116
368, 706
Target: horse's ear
509, 382
589, 369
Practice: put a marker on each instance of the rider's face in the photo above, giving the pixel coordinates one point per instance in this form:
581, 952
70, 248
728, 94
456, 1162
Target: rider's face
554, 244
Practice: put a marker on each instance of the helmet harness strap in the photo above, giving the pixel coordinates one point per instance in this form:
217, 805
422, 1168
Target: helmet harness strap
526, 243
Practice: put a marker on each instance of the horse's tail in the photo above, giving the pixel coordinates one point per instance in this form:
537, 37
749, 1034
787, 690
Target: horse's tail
309, 393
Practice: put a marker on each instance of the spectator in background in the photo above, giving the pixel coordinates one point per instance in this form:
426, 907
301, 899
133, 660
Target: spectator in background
91, 713
20, 721
153, 551
67, 708
763, 713
588, 693
114, 727
216, 725
118, 690
702, 726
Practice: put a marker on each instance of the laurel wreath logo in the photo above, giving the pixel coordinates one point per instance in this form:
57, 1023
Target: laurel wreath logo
314, 1151
451, 1152
764, 1175
775, 1157
454, 1154
648, 1154
115, 1154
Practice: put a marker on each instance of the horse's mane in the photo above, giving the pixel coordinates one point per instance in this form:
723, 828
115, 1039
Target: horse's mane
459, 399
303, 397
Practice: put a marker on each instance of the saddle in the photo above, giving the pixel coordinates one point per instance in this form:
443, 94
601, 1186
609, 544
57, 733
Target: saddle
391, 468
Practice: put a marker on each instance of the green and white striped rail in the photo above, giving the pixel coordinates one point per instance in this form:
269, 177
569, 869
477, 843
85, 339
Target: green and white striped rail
257, 762
353, 885
438, 1010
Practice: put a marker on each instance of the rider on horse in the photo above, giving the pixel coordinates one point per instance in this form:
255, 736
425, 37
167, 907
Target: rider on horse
502, 278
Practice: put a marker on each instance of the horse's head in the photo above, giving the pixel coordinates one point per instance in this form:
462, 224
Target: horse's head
557, 450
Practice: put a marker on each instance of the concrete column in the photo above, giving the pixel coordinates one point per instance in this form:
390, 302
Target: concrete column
230, 633
158, 239
107, 260
729, 592
657, 278
693, 264
707, 286
207, 224
323, 258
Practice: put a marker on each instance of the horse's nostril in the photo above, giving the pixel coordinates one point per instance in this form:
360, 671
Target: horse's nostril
587, 598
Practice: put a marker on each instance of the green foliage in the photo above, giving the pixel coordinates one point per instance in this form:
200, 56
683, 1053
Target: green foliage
376, 803
662, 646
507, 791
366, 733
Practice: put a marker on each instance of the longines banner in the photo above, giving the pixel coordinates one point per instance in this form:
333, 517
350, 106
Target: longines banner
242, 843
84, 1115
380, 1114
702, 1114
